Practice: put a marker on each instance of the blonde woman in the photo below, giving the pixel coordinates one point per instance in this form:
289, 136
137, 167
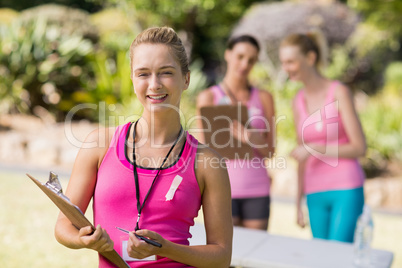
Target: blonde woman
330, 139
153, 176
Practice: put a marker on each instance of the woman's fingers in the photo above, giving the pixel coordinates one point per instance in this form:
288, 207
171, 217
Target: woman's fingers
137, 248
238, 131
299, 153
99, 240
300, 218
85, 231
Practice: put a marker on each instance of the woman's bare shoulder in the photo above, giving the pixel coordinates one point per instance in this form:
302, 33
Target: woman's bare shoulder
205, 97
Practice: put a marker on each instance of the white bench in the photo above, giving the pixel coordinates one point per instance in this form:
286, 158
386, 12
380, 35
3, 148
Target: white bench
256, 248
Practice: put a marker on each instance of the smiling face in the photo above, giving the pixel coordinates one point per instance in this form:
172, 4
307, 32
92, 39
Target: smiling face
241, 59
295, 63
157, 77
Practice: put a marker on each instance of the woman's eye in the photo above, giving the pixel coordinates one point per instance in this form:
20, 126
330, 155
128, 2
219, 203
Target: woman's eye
142, 74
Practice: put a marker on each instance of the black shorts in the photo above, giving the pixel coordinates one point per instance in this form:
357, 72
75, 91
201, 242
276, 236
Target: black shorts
251, 208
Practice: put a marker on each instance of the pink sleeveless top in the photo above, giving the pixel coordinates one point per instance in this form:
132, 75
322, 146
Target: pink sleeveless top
248, 177
325, 126
115, 204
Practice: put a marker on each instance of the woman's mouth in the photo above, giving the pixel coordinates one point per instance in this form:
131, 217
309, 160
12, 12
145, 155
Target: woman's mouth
157, 98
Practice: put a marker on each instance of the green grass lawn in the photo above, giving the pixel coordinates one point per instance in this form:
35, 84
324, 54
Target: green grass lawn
27, 222
27, 219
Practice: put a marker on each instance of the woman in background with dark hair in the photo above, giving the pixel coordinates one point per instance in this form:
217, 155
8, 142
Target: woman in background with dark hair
330, 139
250, 182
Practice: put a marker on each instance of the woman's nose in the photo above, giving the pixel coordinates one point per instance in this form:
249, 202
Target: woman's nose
155, 83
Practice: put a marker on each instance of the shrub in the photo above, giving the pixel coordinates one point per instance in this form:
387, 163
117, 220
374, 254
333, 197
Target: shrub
43, 58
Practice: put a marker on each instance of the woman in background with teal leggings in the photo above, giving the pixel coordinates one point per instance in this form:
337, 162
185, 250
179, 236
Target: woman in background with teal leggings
330, 139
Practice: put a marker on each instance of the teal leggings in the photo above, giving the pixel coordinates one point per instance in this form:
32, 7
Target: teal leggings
333, 214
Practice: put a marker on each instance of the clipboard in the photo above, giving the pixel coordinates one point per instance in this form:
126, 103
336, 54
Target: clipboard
52, 188
216, 125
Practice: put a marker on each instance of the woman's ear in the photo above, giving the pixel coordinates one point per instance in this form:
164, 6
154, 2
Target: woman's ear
227, 54
187, 80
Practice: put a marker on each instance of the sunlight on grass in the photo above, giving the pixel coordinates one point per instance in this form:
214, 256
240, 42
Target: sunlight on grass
26, 227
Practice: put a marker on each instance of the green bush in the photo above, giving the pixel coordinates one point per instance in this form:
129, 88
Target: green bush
382, 121
43, 58
7, 15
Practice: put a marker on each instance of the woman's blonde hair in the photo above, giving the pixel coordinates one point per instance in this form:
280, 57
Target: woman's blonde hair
312, 41
166, 36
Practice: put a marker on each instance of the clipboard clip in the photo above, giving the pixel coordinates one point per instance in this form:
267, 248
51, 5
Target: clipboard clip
54, 184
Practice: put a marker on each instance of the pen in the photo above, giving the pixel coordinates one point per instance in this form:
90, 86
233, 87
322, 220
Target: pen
149, 241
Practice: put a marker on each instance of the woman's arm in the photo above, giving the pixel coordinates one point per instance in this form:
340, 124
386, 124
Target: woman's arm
300, 194
216, 203
80, 191
301, 155
356, 147
267, 140
261, 140
217, 208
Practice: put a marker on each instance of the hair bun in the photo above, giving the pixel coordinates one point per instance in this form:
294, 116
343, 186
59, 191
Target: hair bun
317, 36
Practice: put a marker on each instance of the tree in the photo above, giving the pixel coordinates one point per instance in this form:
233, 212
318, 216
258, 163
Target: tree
203, 25
88, 5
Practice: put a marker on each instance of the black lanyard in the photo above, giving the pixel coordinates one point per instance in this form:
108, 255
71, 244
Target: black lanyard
137, 186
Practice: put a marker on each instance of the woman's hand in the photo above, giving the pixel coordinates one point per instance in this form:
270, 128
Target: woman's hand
300, 153
246, 135
139, 249
239, 132
99, 240
300, 217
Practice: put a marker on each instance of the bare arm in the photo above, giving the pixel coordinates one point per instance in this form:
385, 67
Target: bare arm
205, 98
265, 141
80, 191
299, 153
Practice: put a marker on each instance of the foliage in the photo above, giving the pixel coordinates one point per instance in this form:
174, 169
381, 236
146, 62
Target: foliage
7, 15
115, 30
382, 121
88, 5
381, 14
376, 42
51, 58
203, 25
198, 81
283, 94
393, 85
42, 60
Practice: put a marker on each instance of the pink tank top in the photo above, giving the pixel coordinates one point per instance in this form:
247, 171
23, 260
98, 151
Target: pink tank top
115, 205
248, 177
323, 173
